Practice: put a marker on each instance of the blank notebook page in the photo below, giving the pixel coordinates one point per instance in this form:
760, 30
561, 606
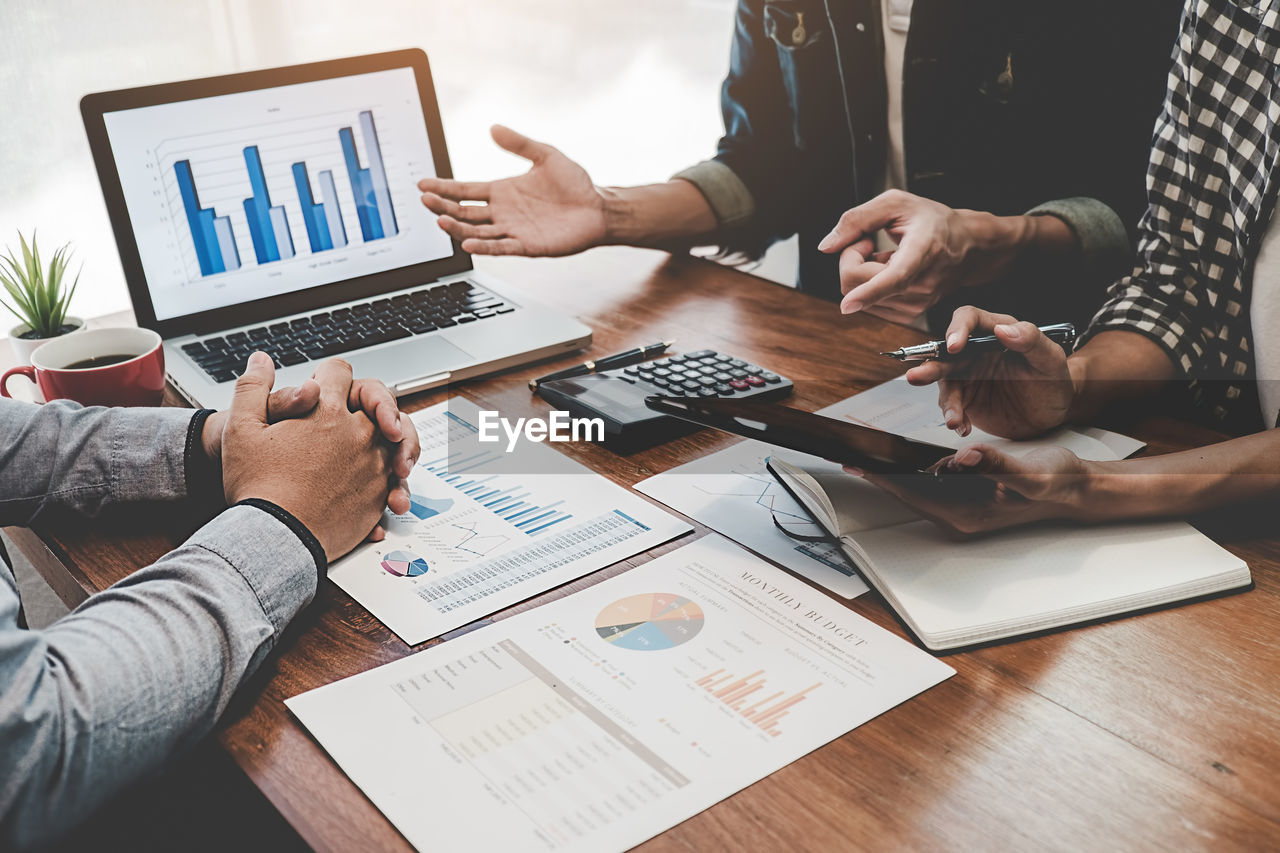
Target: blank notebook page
1025, 576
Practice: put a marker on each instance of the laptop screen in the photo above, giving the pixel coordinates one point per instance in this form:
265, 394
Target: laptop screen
254, 194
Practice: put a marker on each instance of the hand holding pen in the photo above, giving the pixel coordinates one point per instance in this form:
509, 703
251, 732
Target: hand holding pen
1021, 386
955, 346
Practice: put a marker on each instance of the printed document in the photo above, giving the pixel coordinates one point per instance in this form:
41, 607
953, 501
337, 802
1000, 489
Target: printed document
487, 528
601, 719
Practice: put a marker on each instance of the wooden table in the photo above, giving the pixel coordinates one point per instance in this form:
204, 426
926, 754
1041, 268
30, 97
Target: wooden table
1155, 731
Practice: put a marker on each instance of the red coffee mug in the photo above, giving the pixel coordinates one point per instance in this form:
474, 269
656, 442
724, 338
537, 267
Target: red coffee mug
63, 368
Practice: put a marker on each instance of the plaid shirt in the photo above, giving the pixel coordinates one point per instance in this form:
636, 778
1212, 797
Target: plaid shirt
1211, 187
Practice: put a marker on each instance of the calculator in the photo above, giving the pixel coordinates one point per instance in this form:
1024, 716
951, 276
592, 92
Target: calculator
617, 396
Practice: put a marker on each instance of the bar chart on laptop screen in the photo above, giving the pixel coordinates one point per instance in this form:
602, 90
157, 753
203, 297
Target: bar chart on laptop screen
253, 194
215, 245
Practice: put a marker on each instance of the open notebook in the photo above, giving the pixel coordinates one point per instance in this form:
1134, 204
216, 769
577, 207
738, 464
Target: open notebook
957, 593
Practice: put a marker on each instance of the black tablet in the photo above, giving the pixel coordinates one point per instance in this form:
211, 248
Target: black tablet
840, 441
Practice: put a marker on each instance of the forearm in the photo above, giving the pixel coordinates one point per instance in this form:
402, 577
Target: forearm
1027, 236
1113, 366
141, 670
658, 215
1179, 484
83, 459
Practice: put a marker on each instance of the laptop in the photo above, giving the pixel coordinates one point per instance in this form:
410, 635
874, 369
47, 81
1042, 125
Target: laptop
278, 210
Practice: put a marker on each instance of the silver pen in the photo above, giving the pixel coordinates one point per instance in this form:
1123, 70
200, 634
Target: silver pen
1061, 333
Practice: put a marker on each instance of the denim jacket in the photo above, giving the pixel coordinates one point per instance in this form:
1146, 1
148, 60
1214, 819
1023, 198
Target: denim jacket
1008, 106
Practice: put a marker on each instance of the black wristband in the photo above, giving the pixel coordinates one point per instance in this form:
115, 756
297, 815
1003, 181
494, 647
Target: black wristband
203, 475
299, 529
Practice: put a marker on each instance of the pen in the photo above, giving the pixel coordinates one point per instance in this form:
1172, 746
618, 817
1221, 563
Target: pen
609, 362
1062, 333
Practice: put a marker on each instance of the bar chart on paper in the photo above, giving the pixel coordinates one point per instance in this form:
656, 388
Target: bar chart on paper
226, 233
750, 697
493, 527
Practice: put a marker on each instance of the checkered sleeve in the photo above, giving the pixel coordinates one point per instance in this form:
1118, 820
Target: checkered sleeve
1165, 298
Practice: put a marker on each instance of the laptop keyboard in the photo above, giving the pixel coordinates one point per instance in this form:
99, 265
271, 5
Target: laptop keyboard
329, 333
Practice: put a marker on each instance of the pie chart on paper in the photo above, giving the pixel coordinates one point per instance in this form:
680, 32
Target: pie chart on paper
404, 564
650, 622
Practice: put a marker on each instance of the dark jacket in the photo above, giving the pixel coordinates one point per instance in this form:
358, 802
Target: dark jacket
1007, 105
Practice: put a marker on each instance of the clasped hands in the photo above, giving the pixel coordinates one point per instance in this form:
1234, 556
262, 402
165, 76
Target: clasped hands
334, 451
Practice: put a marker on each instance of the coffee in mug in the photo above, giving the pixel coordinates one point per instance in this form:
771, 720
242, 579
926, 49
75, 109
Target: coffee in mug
98, 367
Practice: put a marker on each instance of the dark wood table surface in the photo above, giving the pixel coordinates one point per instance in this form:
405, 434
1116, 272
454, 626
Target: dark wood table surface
1157, 731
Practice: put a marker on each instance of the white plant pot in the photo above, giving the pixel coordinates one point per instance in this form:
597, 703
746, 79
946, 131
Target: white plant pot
23, 347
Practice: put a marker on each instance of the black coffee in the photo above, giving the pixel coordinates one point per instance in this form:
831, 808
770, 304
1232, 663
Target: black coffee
98, 361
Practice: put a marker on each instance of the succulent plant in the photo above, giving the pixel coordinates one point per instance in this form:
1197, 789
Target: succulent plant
37, 295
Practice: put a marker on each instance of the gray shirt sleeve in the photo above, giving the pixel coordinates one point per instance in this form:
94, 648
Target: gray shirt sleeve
144, 668
61, 455
726, 194
1104, 243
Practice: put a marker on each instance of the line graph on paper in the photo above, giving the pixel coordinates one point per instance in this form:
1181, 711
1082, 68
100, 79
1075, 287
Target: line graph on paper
767, 494
759, 494
473, 541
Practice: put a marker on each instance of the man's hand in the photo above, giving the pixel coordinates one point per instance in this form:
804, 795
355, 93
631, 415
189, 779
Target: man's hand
367, 395
553, 209
1015, 394
329, 469
939, 250
1049, 483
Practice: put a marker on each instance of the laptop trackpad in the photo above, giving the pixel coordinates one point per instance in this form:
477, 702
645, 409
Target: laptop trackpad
409, 359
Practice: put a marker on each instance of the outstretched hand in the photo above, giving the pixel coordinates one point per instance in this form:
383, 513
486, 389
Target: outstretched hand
552, 209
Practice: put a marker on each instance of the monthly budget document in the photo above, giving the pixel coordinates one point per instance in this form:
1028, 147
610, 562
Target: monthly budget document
603, 718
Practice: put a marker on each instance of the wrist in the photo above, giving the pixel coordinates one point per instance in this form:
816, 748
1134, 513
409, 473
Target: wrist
1097, 494
211, 436
1078, 373
618, 209
1008, 234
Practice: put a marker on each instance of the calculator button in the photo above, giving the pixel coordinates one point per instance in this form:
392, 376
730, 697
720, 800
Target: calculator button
662, 362
702, 353
721, 376
723, 357
631, 370
738, 384
660, 382
755, 381
676, 359
661, 371
752, 369
690, 385
707, 381
737, 362
707, 392
737, 374
771, 378
722, 388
